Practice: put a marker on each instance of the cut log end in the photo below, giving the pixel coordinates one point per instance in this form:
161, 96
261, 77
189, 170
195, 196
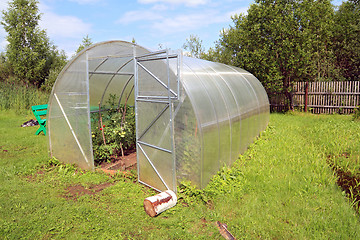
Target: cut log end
154, 205
149, 208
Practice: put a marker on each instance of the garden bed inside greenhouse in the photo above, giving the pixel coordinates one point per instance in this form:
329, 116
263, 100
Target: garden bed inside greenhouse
113, 136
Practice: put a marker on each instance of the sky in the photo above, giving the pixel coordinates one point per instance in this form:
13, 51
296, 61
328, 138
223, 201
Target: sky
150, 22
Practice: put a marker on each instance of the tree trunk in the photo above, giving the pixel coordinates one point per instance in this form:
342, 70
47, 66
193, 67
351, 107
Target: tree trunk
288, 94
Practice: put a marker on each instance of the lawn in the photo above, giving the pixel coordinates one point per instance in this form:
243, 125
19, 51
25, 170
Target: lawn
282, 188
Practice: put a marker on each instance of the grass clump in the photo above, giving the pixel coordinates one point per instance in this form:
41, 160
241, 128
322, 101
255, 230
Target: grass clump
356, 115
20, 97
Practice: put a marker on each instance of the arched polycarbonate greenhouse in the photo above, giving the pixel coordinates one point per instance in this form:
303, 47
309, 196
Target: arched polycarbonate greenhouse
192, 116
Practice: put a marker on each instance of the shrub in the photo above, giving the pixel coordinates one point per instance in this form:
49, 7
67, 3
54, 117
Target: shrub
356, 115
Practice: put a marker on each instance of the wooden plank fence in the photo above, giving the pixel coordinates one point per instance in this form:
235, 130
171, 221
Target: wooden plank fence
321, 97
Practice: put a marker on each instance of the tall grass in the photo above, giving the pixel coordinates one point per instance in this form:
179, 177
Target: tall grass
19, 97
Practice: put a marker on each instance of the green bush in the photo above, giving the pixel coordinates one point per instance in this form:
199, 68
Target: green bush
356, 115
118, 125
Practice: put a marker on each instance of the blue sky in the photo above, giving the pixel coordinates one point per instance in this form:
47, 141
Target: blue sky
150, 22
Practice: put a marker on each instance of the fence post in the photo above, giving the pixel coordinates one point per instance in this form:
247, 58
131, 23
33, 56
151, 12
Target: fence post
306, 96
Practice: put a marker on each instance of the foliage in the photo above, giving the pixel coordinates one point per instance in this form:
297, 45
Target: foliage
29, 52
281, 42
356, 115
86, 41
194, 47
118, 125
20, 97
346, 39
58, 64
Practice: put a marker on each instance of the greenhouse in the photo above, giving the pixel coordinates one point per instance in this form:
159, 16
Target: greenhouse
192, 116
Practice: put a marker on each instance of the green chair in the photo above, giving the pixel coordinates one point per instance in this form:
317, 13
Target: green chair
39, 112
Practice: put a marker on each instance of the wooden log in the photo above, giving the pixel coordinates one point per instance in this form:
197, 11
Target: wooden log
154, 205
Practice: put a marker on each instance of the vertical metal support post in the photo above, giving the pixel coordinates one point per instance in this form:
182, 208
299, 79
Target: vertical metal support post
88, 107
171, 120
179, 61
136, 93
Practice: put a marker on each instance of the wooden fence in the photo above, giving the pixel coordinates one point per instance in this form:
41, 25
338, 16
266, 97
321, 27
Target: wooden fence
321, 97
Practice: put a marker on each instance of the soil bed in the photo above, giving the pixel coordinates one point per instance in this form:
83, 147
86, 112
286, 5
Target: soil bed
348, 183
126, 163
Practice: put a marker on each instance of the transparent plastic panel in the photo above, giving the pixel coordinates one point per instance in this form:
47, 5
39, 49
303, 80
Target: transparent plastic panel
254, 86
147, 173
235, 104
127, 95
150, 86
68, 118
230, 124
207, 118
187, 144
247, 99
264, 107
163, 163
69, 122
114, 89
159, 133
147, 113
113, 64
97, 85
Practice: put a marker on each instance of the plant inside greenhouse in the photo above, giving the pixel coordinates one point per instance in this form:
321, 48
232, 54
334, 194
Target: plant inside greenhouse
113, 131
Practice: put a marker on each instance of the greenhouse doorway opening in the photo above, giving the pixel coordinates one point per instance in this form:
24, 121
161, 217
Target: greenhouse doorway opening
156, 96
149, 80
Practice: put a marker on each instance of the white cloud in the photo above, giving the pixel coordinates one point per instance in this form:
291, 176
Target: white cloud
86, 1
65, 31
159, 7
190, 3
3, 4
164, 23
134, 16
237, 11
64, 26
188, 22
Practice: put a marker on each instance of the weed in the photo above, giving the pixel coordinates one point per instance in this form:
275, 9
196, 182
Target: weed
19, 97
356, 115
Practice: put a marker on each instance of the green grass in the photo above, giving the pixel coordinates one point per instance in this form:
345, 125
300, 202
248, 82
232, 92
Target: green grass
281, 188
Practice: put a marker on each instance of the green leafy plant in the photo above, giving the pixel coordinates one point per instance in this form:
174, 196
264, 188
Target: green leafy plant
356, 115
113, 131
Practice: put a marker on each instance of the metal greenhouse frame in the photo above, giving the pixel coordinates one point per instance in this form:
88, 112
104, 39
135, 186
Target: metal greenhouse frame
192, 115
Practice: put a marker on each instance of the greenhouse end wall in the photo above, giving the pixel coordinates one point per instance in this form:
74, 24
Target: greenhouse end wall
193, 116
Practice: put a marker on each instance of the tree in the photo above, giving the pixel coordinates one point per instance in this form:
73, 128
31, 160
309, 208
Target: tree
86, 41
280, 42
194, 47
28, 46
59, 60
347, 40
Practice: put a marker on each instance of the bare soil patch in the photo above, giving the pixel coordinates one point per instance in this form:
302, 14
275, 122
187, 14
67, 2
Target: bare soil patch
126, 163
348, 182
75, 191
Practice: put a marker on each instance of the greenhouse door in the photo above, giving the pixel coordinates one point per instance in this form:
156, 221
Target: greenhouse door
156, 91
